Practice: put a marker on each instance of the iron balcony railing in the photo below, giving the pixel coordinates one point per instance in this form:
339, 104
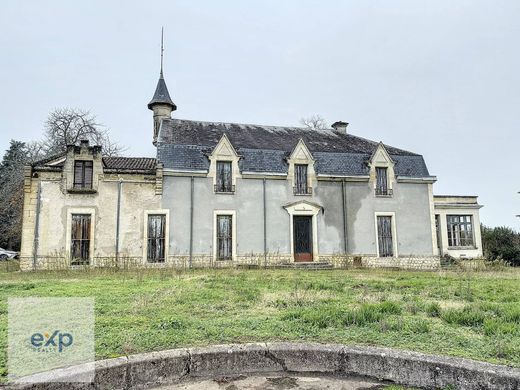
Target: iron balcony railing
384, 192
302, 190
220, 189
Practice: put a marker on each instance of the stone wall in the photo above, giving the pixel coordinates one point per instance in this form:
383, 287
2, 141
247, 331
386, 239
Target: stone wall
252, 260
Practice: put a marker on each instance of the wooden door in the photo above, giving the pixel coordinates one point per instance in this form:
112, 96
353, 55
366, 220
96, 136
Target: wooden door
302, 231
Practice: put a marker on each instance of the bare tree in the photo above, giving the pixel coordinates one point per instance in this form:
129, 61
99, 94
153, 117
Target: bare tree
68, 126
315, 122
35, 151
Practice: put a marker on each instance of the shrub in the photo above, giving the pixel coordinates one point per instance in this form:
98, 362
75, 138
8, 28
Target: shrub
501, 243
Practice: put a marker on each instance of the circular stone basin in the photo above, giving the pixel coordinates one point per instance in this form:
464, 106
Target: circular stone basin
276, 381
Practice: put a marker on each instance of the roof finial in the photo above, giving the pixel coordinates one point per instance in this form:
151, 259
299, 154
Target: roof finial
162, 50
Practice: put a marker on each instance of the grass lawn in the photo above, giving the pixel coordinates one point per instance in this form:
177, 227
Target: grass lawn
468, 314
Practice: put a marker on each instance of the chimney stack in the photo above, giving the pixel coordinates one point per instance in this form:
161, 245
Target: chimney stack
340, 126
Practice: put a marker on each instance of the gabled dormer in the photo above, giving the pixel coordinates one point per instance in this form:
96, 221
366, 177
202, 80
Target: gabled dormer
223, 167
82, 168
301, 173
382, 175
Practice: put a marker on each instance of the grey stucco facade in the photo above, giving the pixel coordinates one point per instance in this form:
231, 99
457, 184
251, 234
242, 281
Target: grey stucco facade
410, 204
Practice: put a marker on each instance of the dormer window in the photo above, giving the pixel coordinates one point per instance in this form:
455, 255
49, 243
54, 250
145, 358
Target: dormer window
83, 174
382, 182
224, 179
300, 180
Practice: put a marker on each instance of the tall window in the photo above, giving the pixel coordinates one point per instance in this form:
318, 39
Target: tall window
224, 237
382, 181
460, 230
156, 238
224, 177
83, 174
384, 236
300, 179
80, 239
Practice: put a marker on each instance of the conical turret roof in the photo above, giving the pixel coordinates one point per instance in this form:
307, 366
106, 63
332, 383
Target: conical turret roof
161, 95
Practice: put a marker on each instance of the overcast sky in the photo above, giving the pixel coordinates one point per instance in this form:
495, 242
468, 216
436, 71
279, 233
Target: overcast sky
440, 78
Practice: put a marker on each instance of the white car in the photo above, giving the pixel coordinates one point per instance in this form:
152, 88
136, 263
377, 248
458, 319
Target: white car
5, 254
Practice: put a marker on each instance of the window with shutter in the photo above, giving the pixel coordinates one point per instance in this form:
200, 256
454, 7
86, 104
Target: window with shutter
300, 176
80, 239
382, 182
156, 238
384, 236
224, 237
224, 177
83, 174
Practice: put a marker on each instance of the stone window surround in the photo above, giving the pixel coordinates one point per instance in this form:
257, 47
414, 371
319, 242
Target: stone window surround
68, 237
166, 213
307, 209
83, 170
381, 159
83, 152
301, 156
224, 151
394, 231
233, 213
443, 223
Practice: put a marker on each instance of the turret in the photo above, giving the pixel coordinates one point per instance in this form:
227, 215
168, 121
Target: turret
161, 103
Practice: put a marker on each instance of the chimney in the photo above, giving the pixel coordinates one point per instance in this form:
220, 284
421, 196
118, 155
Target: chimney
340, 126
84, 143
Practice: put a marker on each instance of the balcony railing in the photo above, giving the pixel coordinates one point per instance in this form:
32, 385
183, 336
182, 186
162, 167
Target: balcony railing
302, 190
384, 192
220, 189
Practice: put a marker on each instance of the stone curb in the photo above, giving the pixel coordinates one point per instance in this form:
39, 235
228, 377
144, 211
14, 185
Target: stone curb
177, 365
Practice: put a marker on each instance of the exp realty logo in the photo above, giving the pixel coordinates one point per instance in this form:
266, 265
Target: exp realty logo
56, 341
49, 333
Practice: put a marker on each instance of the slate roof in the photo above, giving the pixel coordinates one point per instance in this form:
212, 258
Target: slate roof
185, 144
161, 95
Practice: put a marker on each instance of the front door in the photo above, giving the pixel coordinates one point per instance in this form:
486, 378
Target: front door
302, 230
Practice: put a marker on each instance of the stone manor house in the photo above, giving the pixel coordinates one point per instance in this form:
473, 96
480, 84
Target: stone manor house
226, 194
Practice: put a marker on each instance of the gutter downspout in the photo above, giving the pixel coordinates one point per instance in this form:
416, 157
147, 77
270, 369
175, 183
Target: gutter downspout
191, 222
344, 198
118, 218
37, 225
265, 225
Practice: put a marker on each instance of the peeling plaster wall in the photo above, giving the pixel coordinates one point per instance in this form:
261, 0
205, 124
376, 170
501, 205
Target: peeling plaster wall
57, 204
